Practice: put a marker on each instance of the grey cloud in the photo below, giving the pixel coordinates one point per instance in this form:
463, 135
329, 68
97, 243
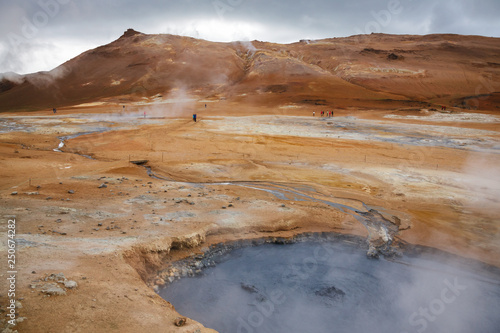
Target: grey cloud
466, 17
98, 22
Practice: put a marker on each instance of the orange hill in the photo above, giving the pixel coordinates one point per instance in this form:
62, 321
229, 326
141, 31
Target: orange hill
374, 70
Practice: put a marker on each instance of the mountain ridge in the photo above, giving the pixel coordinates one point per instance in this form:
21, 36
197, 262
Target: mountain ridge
376, 70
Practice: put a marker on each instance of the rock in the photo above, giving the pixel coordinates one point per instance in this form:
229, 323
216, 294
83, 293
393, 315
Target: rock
102, 186
53, 289
14, 193
331, 292
8, 330
71, 192
19, 305
70, 284
99, 224
179, 322
59, 277
249, 288
32, 193
58, 221
372, 252
393, 56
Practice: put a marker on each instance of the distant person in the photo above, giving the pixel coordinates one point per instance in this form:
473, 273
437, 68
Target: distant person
314, 113
194, 117
54, 110
205, 106
144, 114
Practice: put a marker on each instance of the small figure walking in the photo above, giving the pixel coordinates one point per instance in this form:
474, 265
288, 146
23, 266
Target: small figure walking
194, 117
205, 105
54, 110
144, 114
314, 113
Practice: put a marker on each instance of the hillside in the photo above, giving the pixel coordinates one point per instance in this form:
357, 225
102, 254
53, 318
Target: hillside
376, 71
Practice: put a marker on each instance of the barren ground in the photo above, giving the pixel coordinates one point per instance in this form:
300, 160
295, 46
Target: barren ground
265, 172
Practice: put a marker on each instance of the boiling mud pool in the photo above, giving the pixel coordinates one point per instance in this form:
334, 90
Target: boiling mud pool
333, 287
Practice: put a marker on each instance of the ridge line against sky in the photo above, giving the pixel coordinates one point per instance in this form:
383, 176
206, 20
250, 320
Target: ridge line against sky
38, 35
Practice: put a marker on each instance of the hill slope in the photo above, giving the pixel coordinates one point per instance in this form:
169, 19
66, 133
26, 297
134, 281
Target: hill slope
374, 70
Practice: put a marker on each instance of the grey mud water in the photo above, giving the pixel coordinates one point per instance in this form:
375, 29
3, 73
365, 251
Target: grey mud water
329, 285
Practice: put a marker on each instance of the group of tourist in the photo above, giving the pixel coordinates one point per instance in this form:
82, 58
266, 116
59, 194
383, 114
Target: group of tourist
324, 113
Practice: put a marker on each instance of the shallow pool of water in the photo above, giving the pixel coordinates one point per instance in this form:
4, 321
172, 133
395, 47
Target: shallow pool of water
332, 286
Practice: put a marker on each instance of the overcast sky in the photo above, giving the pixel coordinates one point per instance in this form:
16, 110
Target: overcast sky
38, 35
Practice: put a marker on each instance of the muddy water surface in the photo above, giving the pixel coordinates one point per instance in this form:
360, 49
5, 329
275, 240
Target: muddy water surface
332, 286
